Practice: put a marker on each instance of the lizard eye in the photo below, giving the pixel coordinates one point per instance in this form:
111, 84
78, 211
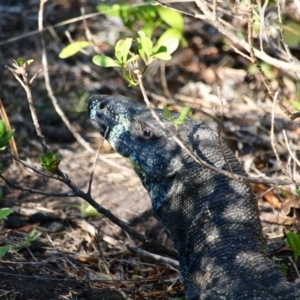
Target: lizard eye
102, 105
146, 133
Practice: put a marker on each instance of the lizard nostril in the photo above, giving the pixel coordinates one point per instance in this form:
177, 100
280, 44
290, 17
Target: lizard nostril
102, 105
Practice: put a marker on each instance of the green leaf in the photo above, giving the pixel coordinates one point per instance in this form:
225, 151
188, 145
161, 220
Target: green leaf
291, 34
8, 135
50, 161
293, 241
28, 62
298, 192
171, 17
105, 61
18, 62
112, 10
284, 268
296, 105
33, 235
4, 212
183, 115
5, 139
143, 55
73, 48
129, 78
168, 39
104, 9
122, 49
49, 156
167, 114
3, 250
2, 128
133, 58
145, 48
141, 34
162, 56
56, 156
43, 158
171, 44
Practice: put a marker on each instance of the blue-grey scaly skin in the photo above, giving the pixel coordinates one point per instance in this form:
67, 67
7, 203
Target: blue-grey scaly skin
212, 219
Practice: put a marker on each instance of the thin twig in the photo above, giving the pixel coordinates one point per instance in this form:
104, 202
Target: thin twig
265, 192
273, 139
295, 115
21, 75
231, 35
289, 149
295, 267
54, 101
12, 142
158, 258
220, 129
95, 161
164, 83
286, 47
34, 191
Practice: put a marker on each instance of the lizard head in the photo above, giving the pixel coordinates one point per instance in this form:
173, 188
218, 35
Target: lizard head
134, 133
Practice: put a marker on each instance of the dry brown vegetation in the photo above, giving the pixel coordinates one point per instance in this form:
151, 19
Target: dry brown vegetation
230, 71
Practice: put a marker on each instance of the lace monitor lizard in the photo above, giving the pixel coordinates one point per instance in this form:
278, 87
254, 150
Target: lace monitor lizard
212, 219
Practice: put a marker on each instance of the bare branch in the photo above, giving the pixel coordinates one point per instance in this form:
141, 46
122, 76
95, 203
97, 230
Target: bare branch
293, 66
95, 161
55, 103
21, 75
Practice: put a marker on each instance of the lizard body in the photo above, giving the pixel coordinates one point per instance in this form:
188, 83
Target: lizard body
212, 219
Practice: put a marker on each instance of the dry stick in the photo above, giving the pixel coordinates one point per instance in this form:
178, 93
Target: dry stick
59, 24
265, 192
289, 149
164, 81
286, 47
267, 85
262, 29
25, 83
63, 23
148, 243
158, 258
75, 191
252, 54
220, 128
12, 142
295, 266
54, 101
88, 33
95, 161
273, 140
34, 191
225, 30
289, 55
214, 9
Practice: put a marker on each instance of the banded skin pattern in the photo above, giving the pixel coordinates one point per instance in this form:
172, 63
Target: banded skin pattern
212, 219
